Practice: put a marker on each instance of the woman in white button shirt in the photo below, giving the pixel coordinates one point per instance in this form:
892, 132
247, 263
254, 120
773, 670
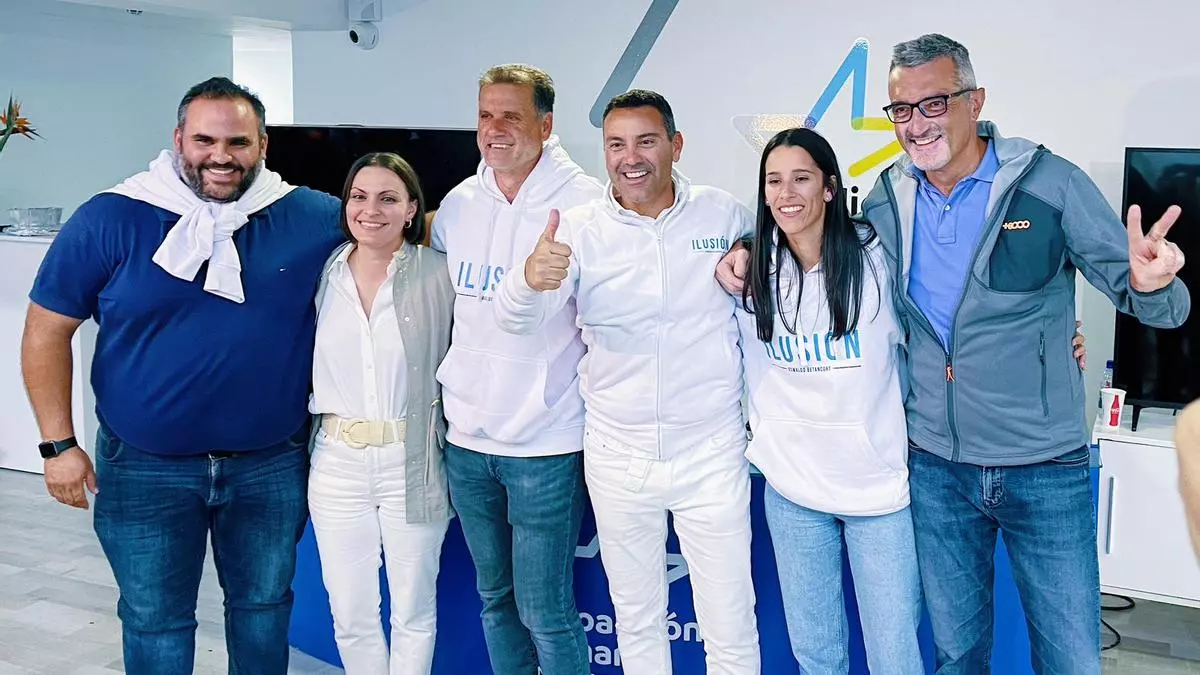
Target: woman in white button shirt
384, 306
819, 340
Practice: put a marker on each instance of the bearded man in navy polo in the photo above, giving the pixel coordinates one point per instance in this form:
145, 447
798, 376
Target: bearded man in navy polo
200, 273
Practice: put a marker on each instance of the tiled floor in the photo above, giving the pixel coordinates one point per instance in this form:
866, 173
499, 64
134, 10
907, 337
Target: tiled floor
1155, 638
58, 598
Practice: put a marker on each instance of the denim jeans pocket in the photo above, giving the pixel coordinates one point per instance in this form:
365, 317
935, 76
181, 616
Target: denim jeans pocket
108, 446
1073, 458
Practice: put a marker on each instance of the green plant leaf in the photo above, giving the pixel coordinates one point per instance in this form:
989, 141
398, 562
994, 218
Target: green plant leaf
10, 117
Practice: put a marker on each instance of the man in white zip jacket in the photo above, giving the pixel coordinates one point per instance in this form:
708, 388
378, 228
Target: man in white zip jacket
515, 440
662, 384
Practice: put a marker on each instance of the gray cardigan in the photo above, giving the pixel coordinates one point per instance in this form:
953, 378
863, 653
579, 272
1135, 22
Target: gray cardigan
424, 299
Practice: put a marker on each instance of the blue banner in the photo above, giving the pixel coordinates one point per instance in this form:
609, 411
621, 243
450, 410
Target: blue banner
461, 650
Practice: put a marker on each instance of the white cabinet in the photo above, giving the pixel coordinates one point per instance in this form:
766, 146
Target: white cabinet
20, 258
1142, 535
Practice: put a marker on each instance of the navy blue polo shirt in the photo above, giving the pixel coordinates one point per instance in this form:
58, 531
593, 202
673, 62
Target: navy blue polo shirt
179, 370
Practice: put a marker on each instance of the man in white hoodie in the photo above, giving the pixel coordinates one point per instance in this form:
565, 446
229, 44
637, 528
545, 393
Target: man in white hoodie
513, 455
662, 383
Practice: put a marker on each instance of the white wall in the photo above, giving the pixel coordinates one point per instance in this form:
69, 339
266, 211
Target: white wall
1086, 77
262, 62
101, 87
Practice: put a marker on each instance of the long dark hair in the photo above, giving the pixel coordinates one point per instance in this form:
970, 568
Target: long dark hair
415, 232
843, 243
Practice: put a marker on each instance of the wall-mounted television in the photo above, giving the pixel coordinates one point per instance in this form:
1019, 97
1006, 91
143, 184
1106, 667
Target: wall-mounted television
1160, 368
320, 156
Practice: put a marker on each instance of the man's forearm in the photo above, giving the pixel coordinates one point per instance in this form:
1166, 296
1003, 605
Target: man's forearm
46, 365
1168, 307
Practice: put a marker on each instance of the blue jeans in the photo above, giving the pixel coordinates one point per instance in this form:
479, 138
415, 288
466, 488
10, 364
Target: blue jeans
1049, 523
153, 517
521, 517
887, 586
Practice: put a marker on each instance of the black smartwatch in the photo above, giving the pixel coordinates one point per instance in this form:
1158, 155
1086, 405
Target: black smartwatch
50, 449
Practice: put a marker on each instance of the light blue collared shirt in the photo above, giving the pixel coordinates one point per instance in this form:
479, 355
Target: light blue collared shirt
945, 233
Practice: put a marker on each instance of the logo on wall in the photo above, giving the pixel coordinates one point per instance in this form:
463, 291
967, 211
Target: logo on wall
633, 57
757, 129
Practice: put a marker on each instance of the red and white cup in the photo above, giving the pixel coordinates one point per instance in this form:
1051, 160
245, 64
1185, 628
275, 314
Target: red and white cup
1112, 401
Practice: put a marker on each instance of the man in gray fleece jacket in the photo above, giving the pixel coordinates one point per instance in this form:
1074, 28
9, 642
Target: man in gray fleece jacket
986, 234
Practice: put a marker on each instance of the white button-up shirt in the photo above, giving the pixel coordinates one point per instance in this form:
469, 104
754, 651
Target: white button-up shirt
359, 364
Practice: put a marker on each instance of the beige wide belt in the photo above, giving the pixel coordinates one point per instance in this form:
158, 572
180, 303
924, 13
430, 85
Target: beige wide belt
359, 433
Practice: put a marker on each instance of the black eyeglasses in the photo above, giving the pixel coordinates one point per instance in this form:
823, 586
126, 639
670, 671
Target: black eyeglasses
934, 106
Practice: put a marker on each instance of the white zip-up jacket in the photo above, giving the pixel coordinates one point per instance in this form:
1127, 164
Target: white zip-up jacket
506, 394
826, 415
663, 372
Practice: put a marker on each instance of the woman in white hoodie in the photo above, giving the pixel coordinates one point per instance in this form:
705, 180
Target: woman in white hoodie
820, 341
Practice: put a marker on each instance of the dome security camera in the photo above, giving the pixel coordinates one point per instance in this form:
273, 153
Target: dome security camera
363, 35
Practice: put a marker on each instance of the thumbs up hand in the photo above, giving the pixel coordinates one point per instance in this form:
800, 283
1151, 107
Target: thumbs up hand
547, 266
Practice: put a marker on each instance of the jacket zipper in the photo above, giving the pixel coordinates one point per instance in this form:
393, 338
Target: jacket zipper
1001, 207
1042, 358
920, 317
989, 225
662, 265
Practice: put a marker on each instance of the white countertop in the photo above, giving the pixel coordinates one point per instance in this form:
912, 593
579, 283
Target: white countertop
1156, 426
31, 239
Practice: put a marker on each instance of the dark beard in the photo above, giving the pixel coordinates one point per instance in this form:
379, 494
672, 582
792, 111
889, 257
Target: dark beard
191, 176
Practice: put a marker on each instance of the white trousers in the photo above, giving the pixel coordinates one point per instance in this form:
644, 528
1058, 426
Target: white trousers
707, 491
356, 498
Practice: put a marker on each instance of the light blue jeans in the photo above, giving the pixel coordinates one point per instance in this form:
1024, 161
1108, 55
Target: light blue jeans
887, 583
1048, 519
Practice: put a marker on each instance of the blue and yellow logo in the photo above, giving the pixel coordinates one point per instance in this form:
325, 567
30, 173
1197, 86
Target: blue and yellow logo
854, 70
758, 129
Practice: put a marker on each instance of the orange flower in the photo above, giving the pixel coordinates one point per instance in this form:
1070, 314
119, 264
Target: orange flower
18, 124
11, 123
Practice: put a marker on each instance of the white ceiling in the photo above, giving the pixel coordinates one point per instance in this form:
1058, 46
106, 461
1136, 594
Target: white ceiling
243, 14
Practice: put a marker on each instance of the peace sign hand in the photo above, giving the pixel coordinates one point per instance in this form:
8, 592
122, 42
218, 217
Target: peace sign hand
1153, 261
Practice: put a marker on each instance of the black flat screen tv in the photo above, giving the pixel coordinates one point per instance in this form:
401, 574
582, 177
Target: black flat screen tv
319, 157
1160, 368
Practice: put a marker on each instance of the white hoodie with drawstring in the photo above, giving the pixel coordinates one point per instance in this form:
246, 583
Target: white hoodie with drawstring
827, 413
505, 394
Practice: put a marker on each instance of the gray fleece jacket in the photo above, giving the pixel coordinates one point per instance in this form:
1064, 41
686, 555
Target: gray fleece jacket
1006, 390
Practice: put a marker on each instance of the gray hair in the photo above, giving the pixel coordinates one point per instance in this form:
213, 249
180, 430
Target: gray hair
930, 47
524, 75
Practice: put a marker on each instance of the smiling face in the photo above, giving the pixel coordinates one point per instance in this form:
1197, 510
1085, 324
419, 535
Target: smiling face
378, 209
510, 132
220, 148
935, 143
796, 190
639, 156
